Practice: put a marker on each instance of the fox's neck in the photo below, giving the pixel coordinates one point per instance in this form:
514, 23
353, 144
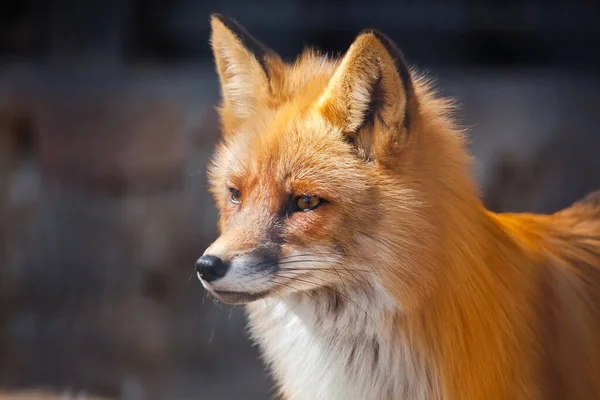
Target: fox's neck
346, 344
480, 309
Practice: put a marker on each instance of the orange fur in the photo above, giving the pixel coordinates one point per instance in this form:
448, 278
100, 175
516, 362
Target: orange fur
493, 306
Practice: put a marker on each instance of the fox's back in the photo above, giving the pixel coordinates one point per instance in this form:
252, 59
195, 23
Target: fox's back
567, 245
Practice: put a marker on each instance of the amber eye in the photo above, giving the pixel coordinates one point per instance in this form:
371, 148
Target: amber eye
307, 203
235, 196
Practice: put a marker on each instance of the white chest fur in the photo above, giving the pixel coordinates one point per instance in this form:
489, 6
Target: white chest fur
333, 348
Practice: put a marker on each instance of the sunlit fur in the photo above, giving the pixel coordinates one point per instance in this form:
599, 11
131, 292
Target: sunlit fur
402, 285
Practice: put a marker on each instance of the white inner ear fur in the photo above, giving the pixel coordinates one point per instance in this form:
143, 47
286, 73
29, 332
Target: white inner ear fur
241, 81
359, 87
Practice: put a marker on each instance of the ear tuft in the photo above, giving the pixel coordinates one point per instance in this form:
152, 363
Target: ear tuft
259, 50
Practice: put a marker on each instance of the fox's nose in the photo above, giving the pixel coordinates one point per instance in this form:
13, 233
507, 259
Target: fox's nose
211, 268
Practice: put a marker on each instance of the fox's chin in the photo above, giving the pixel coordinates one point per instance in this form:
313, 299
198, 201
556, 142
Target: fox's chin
234, 298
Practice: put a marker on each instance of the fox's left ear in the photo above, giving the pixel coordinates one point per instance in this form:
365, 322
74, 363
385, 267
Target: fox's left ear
371, 82
245, 66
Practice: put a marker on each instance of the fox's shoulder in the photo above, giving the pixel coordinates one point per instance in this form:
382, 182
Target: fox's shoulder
592, 199
582, 218
587, 208
576, 241
567, 241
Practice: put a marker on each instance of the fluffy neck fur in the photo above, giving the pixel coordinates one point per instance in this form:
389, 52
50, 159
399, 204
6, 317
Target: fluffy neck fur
338, 345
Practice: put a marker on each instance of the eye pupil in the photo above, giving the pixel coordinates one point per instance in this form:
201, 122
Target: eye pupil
307, 203
235, 195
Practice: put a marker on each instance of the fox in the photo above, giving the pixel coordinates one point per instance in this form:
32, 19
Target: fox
352, 231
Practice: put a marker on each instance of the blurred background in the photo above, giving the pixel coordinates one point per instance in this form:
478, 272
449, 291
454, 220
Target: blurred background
106, 125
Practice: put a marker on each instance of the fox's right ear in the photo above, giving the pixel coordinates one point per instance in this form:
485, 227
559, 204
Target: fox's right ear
243, 64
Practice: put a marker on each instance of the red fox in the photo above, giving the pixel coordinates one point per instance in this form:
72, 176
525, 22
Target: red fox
352, 230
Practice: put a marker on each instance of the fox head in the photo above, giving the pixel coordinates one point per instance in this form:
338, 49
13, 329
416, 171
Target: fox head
329, 172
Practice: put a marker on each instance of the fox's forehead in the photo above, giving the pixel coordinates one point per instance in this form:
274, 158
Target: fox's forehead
295, 151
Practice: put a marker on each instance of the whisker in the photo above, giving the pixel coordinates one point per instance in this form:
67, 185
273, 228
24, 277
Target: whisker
336, 291
238, 160
287, 284
378, 240
358, 281
215, 301
321, 269
326, 254
324, 270
272, 280
295, 256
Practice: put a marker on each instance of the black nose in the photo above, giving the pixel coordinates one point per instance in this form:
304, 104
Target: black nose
211, 268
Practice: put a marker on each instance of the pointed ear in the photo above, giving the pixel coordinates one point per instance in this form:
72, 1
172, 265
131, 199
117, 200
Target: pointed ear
371, 82
243, 64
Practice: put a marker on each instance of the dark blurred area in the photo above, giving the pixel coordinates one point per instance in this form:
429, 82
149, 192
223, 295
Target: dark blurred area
106, 125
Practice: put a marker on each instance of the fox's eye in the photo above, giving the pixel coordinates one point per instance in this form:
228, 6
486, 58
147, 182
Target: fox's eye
235, 195
307, 203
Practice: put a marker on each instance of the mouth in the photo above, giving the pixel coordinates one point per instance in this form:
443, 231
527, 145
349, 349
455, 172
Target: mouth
237, 297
